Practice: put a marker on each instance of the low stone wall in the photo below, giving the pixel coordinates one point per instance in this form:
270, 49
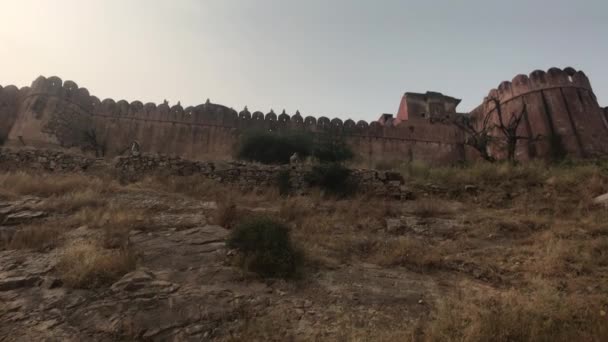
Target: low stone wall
246, 176
47, 160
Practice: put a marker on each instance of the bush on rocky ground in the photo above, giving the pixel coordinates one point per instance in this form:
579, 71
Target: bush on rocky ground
335, 179
265, 247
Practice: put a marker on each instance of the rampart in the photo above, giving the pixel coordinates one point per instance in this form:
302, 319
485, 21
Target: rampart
561, 109
211, 130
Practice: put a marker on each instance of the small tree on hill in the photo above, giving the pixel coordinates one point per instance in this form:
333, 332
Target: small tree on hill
478, 138
508, 127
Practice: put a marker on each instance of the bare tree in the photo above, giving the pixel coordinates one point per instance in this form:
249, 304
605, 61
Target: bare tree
74, 129
509, 127
477, 137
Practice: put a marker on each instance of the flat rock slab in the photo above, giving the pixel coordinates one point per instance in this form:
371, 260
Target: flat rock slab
22, 217
20, 211
13, 283
603, 199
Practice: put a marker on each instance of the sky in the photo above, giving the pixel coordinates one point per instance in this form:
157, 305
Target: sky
336, 58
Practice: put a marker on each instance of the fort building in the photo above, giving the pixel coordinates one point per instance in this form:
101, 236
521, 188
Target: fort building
561, 106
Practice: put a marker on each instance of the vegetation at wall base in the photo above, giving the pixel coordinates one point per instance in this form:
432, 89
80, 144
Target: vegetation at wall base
333, 178
277, 148
284, 182
265, 247
274, 148
332, 150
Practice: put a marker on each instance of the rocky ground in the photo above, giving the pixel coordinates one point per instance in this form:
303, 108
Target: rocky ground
183, 289
375, 269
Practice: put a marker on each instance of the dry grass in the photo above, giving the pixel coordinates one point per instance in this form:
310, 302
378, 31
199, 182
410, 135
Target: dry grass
192, 186
38, 237
88, 265
555, 256
110, 215
336, 230
74, 201
116, 223
410, 252
523, 222
226, 214
544, 315
427, 208
47, 185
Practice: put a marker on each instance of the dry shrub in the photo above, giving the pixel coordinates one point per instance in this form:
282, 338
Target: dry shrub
265, 247
408, 252
226, 214
115, 236
51, 184
192, 186
111, 215
545, 315
558, 256
39, 237
73, 201
294, 209
116, 223
519, 225
87, 265
480, 173
427, 208
335, 230
255, 328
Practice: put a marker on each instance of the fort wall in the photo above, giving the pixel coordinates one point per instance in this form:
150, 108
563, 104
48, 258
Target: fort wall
559, 103
211, 130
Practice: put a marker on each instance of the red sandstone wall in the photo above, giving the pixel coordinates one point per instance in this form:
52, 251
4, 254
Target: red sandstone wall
211, 130
559, 102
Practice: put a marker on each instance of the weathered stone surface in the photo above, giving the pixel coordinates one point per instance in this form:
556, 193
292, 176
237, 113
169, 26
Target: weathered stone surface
13, 283
245, 176
20, 211
22, 216
603, 199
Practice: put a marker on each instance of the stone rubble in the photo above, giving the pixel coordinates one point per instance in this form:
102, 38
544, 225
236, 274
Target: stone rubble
246, 176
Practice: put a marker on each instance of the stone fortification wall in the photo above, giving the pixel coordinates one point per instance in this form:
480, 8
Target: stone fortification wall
213, 130
559, 103
246, 176
10, 99
44, 160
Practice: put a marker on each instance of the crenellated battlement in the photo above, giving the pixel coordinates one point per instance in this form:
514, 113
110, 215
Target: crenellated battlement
559, 102
560, 107
540, 80
214, 115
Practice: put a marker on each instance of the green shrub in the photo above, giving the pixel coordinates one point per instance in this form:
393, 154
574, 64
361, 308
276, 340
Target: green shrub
274, 148
284, 182
331, 150
265, 247
334, 178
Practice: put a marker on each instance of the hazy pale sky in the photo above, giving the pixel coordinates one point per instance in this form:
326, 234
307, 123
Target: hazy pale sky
342, 58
